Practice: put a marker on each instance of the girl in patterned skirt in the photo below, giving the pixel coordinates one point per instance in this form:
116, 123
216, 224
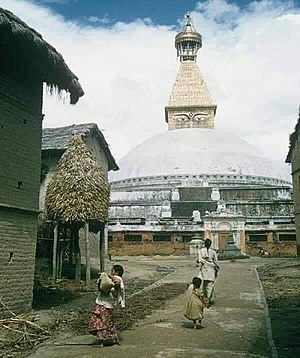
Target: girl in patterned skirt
110, 292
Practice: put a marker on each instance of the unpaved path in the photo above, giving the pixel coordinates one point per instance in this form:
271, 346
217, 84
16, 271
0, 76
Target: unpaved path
236, 326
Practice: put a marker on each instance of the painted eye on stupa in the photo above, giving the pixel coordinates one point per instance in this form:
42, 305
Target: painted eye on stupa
199, 118
182, 118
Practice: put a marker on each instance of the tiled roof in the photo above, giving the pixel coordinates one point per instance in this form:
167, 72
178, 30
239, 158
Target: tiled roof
58, 139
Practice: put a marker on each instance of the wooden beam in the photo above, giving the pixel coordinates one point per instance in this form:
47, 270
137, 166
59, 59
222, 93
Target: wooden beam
54, 256
102, 248
87, 255
75, 233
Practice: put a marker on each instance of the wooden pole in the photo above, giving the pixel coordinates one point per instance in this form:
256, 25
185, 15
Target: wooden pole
102, 248
87, 255
54, 256
60, 261
71, 247
106, 240
77, 254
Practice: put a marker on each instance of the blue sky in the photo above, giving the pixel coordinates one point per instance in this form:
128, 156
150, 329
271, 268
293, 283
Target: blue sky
249, 59
107, 12
164, 12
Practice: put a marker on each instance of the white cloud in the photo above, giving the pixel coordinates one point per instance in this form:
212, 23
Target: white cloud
250, 61
100, 20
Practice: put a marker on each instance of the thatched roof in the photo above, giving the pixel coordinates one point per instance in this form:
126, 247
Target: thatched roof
25, 51
293, 140
79, 190
59, 138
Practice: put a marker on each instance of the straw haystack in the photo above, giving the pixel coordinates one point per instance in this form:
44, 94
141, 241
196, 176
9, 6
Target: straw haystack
28, 55
78, 194
79, 190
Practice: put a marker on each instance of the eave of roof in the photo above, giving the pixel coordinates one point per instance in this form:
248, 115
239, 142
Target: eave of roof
18, 38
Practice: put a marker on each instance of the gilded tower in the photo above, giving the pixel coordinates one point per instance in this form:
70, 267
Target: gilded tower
190, 104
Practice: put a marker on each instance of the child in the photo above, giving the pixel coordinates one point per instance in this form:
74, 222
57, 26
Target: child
110, 292
118, 291
195, 303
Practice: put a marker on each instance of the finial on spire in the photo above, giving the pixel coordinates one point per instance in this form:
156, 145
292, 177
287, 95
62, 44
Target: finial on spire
188, 23
188, 41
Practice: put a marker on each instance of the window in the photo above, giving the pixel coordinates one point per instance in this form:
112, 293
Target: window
186, 238
287, 237
258, 237
133, 238
161, 238
20, 185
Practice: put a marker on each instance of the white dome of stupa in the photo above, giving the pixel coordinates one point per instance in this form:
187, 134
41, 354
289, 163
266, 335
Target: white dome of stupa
195, 151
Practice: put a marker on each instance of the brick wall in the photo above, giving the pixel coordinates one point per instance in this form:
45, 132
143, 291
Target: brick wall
174, 245
20, 148
20, 144
17, 257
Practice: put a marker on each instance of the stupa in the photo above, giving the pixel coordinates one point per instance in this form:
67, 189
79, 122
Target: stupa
194, 178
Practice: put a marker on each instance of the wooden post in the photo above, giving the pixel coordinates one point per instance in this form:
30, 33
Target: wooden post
54, 256
72, 247
77, 254
102, 248
87, 255
106, 240
60, 261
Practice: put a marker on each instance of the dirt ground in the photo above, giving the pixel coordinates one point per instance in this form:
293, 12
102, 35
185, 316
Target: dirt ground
281, 284
66, 308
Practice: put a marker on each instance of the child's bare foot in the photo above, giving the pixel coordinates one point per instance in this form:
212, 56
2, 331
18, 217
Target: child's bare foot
195, 325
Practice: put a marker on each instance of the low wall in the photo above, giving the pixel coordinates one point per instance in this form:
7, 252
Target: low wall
274, 249
148, 248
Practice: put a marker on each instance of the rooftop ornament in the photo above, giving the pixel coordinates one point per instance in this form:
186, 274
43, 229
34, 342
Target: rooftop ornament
188, 41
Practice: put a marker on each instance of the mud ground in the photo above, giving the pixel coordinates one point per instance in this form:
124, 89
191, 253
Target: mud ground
66, 308
281, 284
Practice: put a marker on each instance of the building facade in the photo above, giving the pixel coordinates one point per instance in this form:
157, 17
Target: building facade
293, 158
197, 180
21, 90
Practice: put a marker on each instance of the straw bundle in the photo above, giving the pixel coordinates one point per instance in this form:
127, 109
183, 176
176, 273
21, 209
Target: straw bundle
79, 190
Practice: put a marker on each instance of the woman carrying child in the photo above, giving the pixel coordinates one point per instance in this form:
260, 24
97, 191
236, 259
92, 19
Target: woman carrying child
195, 303
110, 292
